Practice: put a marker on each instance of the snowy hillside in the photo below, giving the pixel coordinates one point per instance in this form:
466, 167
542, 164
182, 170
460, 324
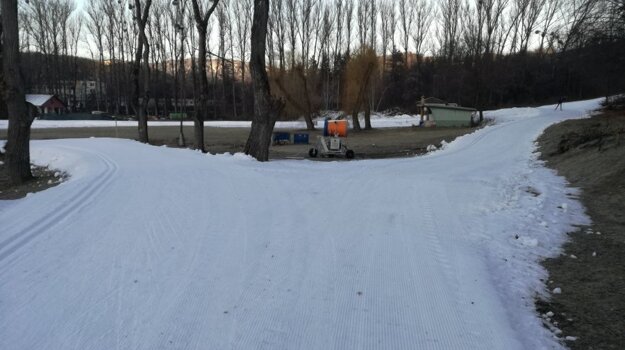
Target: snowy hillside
156, 248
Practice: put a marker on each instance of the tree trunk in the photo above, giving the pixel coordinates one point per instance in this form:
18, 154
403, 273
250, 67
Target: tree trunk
367, 105
202, 109
139, 106
143, 114
266, 109
17, 148
355, 120
141, 53
363, 100
308, 116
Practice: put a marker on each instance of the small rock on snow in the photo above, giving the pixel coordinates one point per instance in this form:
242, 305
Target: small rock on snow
528, 242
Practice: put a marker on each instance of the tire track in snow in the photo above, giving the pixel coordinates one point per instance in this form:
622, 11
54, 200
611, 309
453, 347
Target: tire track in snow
71, 205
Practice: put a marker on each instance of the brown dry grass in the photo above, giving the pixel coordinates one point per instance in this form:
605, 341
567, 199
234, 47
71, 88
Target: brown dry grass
590, 153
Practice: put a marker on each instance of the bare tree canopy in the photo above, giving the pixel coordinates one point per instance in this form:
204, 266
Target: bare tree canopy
191, 59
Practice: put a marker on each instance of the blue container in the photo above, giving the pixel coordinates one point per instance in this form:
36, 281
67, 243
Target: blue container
281, 138
300, 138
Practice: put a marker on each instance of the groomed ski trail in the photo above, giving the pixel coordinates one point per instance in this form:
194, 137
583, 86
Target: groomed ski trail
157, 248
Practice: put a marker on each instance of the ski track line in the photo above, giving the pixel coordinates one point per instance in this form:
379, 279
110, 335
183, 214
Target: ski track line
447, 279
68, 207
185, 292
348, 275
459, 283
271, 328
265, 282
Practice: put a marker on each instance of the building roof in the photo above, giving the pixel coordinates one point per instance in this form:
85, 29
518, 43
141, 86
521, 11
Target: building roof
44, 101
38, 100
449, 106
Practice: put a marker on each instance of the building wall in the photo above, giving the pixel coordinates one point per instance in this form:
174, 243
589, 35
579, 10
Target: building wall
451, 117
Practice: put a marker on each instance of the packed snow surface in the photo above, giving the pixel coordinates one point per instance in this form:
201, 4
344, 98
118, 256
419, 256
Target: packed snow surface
156, 248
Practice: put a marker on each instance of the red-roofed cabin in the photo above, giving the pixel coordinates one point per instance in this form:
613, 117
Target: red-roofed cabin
46, 104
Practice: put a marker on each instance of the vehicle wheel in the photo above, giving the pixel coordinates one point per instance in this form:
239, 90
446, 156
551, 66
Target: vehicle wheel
349, 154
313, 152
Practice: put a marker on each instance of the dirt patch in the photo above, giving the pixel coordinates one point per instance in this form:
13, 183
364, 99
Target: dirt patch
43, 178
590, 153
370, 144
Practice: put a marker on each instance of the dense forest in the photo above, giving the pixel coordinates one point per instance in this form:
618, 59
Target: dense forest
323, 54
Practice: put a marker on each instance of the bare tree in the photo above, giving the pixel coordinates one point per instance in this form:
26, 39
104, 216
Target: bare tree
349, 16
266, 108
530, 12
493, 12
244, 20
406, 18
548, 21
578, 14
292, 17
373, 20
424, 16
363, 17
201, 14
509, 30
278, 28
111, 17
96, 29
177, 37
342, 20
17, 147
339, 21
141, 12
387, 31
47, 24
224, 65
38, 28
449, 31
229, 28
325, 53
359, 79
305, 28
73, 40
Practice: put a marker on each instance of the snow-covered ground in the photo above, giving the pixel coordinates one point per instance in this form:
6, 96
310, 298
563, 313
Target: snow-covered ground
377, 121
156, 248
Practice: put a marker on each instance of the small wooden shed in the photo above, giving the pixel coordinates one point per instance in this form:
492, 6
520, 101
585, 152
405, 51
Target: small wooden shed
46, 103
450, 115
